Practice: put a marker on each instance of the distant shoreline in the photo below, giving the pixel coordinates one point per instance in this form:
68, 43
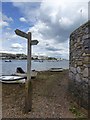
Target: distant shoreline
24, 57
36, 60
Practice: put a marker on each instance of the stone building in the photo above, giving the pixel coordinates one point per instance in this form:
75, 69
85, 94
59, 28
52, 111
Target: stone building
79, 66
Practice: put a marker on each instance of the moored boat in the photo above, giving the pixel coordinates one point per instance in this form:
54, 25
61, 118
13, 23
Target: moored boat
11, 79
56, 69
8, 61
22, 73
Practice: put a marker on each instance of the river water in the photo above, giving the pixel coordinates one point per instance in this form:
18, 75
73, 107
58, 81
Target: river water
9, 68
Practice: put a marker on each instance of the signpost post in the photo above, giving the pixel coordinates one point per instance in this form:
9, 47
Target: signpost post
28, 84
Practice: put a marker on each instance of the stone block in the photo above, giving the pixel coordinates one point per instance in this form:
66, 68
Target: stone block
85, 72
84, 54
86, 36
86, 59
75, 65
88, 55
75, 45
85, 80
79, 47
78, 69
79, 63
86, 30
73, 69
78, 40
78, 79
71, 76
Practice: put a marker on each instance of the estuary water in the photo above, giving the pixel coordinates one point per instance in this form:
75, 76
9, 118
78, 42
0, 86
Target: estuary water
8, 68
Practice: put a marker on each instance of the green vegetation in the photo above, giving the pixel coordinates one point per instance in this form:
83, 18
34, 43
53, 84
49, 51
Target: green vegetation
52, 58
77, 112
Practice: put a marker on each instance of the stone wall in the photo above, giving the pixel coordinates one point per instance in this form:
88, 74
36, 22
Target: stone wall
79, 66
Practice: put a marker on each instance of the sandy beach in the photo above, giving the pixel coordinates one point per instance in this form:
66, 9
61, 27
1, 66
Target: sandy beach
49, 99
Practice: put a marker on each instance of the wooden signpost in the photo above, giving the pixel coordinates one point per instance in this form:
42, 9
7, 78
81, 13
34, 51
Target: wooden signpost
28, 84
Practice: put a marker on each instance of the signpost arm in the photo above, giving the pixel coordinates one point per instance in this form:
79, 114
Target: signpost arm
28, 84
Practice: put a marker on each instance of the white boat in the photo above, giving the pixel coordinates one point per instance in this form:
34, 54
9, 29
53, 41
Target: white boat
56, 69
22, 73
11, 79
8, 61
33, 74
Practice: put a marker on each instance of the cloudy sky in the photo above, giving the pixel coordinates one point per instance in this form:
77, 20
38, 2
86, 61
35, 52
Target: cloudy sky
51, 23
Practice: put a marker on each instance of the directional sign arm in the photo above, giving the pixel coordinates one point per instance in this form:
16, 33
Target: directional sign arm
25, 35
21, 33
34, 42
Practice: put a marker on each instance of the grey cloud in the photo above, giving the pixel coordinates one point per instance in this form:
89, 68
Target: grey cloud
58, 32
49, 48
37, 11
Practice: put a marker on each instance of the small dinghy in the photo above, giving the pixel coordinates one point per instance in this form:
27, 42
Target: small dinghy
8, 61
22, 73
11, 79
56, 69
